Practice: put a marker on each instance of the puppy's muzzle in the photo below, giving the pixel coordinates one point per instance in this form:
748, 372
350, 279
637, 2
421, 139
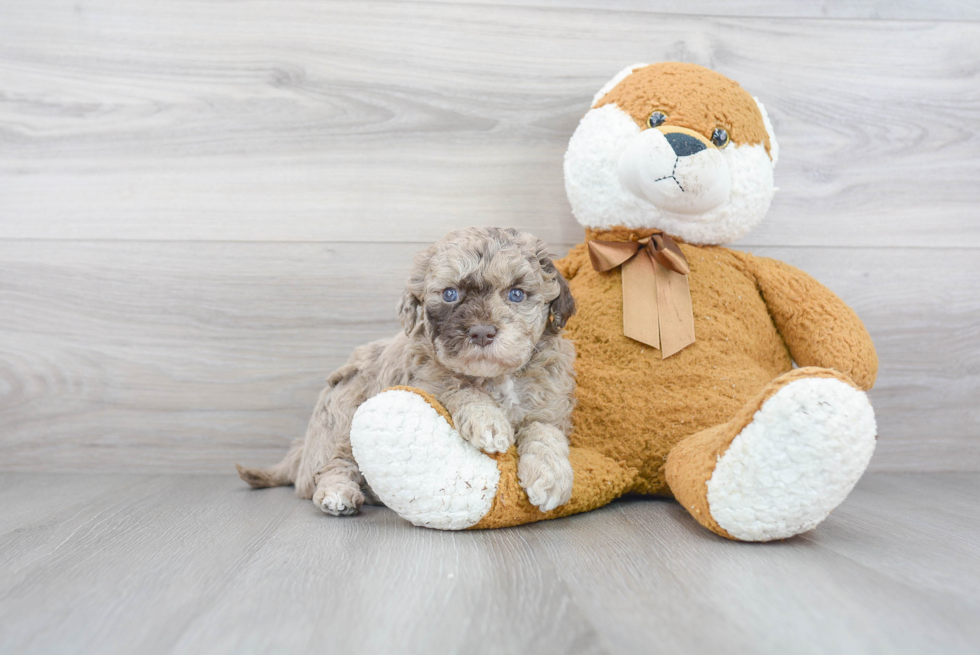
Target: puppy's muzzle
482, 335
675, 169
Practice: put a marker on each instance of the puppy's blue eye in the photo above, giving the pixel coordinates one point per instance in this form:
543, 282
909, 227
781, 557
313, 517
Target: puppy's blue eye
450, 295
516, 295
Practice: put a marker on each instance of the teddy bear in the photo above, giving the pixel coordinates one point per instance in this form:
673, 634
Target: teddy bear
733, 383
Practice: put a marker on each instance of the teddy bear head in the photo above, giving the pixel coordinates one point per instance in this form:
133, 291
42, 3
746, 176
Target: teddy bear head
673, 147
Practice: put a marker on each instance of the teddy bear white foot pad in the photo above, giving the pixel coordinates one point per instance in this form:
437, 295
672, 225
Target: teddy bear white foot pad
797, 460
418, 465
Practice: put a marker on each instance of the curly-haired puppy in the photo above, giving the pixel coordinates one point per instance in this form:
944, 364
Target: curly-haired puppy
482, 312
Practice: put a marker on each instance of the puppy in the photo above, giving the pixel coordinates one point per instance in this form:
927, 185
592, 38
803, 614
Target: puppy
481, 313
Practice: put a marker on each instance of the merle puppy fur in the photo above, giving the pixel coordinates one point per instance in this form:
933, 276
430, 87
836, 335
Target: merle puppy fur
481, 313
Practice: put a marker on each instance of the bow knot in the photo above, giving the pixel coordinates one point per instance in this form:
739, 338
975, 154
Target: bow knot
657, 307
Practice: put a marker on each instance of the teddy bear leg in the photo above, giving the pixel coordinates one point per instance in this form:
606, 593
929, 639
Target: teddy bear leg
418, 465
783, 463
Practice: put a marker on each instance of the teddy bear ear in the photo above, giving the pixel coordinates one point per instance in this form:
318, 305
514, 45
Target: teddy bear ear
773, 145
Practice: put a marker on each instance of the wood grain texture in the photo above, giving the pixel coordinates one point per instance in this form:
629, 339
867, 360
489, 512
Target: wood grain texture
877, 9
195, 564
189, 356
304, 120
205, 206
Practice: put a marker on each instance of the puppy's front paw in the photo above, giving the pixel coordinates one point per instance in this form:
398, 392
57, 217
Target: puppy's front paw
487, 428
338, 500
546, 477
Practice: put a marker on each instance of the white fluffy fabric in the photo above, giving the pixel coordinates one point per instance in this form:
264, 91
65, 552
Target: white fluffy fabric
599, 199
691, 185
418, 465
797, 460
773, 144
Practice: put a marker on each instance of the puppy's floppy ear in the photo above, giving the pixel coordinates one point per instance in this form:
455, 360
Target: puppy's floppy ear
563, 307
410, 309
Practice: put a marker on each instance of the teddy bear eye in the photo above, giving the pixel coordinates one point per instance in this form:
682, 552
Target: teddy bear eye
450, 295
720, 137
656, 119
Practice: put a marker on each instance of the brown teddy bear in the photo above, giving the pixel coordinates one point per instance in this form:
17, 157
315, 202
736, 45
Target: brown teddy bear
685, 349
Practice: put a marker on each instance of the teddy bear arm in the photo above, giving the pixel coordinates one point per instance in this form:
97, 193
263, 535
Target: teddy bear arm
818, 327
418, 465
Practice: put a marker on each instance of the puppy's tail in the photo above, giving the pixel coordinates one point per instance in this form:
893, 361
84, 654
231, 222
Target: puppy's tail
280, 475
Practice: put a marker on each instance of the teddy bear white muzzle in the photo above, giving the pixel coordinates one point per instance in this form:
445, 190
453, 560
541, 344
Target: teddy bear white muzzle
676, 171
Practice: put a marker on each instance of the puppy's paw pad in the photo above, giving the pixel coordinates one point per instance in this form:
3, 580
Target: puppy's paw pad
547, 479
338, 501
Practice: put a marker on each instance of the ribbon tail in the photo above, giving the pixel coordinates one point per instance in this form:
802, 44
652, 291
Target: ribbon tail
676, 314
641, 317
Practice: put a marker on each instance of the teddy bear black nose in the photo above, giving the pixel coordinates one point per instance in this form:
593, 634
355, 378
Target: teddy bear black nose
683, 144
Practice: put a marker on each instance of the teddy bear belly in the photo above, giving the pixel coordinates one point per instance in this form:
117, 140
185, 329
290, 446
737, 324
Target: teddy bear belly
636, 417
632, 405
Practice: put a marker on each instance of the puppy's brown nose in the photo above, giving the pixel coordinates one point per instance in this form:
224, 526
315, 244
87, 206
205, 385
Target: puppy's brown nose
482, 335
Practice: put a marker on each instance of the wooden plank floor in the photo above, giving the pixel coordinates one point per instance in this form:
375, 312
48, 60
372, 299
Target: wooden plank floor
199, 564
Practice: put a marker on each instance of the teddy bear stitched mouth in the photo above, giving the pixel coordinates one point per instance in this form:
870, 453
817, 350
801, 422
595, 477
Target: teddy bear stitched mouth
671, 176
683, 145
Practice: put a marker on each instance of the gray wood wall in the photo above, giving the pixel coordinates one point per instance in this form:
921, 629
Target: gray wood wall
205, 205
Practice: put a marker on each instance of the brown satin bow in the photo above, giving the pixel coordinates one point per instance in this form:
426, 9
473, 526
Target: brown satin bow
656, 296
